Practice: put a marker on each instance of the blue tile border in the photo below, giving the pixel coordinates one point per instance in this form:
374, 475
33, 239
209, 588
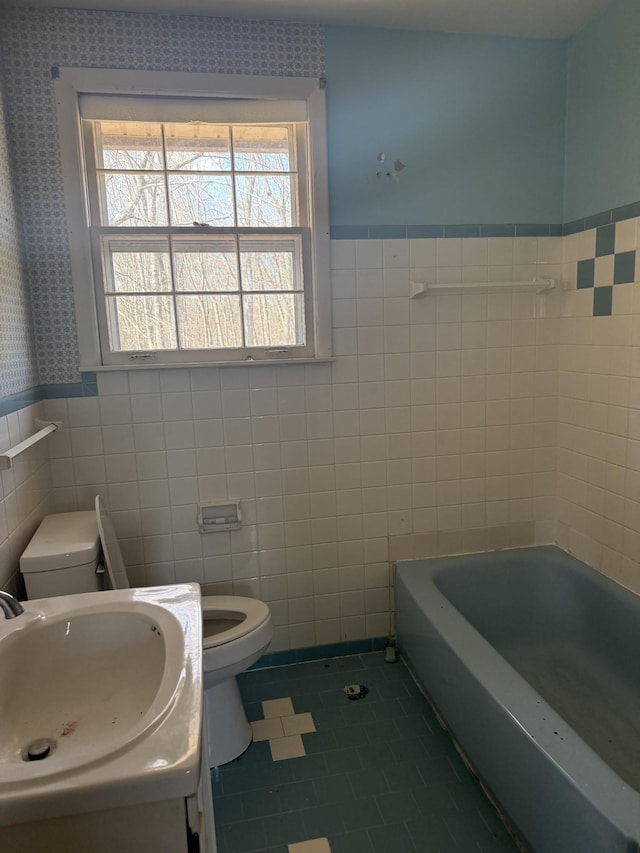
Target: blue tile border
554, 229
20, 400
311, 653
349, 232
417, 232
498, 230
524, 229
627, 211
461, 230
87, 387
606, 217
574, 227
387, 232
597, 220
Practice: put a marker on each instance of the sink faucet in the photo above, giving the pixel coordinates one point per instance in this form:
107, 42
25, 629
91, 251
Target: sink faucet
9, 605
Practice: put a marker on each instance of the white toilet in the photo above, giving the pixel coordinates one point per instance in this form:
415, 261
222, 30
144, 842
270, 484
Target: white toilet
64, 557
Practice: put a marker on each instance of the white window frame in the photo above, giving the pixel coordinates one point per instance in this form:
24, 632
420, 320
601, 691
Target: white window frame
71, 83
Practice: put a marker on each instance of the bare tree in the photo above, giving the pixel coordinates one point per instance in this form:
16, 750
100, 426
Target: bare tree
205, 291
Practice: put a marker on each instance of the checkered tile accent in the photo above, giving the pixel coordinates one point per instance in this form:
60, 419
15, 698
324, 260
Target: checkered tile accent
608, 268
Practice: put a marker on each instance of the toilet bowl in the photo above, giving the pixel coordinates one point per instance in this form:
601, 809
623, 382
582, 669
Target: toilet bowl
236, 631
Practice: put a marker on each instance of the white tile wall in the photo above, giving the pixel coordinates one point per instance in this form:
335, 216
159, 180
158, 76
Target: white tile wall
445, 424
26, 493
433, 431
599, 417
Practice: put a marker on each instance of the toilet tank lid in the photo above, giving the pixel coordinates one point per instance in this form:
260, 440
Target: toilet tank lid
62, 541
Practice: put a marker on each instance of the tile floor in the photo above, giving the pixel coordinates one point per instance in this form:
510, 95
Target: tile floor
378, 775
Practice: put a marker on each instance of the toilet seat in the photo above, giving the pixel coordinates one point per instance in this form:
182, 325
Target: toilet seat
250, 612
116, 570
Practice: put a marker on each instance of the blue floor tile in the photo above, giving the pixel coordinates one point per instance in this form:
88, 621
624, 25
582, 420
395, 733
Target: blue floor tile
229, 809
430, 835
324, 820
404, 776
391, 839
343, 760
355, 841
361, 814
380, 774
287, 828
332, 789
243, 837
310, 767
298, 795
398, 806
365, 783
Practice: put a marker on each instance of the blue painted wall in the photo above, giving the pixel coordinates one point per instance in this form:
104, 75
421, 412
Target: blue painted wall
603, 113
478, 121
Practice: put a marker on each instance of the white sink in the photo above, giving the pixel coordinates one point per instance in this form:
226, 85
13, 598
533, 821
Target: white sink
108, 686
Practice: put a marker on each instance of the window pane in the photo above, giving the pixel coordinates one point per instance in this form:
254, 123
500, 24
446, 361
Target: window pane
205, 264
133, 200
201, 198
209, 322
270, 265
141, 323
274, 320
265, 201
262, 149
138, 269
128, 145
200, 147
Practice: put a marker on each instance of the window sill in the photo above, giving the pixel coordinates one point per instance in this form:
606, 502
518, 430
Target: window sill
189, 365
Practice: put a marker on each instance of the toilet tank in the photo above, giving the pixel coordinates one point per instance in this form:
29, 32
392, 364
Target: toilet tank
63, 557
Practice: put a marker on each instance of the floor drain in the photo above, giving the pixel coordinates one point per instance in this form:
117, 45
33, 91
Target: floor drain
38, 749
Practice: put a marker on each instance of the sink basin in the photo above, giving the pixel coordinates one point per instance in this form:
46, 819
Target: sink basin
100, 701
87, 683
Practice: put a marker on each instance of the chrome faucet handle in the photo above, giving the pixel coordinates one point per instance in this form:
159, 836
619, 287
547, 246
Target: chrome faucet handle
9, 605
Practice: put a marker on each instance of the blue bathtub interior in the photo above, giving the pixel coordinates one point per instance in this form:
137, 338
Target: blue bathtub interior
577, 647
531, 658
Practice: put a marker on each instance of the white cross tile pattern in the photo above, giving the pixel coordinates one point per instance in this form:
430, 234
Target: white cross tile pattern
277, 708
283, 728
287, 747
299, 724
268, 729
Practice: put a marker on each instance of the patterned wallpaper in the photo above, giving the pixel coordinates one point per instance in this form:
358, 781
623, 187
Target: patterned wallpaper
17, 357
32, 41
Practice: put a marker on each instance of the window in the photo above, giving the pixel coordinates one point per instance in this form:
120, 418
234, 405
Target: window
205, 219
